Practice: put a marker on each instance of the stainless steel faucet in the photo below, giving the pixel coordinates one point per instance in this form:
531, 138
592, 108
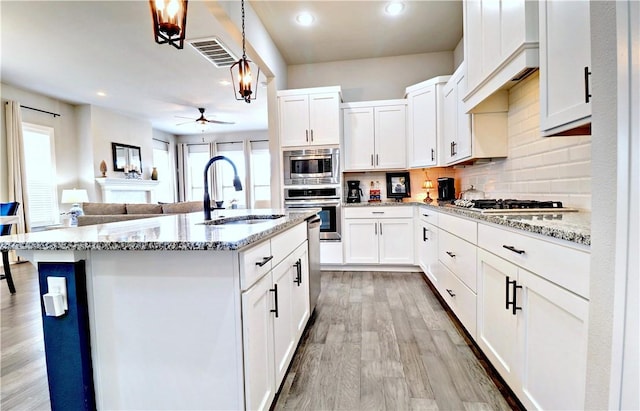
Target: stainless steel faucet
237, 184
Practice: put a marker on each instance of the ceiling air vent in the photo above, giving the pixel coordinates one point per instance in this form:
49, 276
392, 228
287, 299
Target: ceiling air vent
214, 51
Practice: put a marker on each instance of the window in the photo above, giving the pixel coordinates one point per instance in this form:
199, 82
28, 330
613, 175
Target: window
40, 170
260, 164
224, 174
197, 157
162, 163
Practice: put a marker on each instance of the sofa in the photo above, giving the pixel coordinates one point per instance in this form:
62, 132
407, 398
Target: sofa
100, 213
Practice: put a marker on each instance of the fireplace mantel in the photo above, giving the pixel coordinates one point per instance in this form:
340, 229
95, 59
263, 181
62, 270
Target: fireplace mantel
125, 190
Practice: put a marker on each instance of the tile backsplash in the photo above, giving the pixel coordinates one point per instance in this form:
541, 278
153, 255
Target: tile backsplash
537, 168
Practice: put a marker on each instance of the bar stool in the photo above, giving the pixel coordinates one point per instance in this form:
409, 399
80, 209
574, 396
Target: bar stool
8, 209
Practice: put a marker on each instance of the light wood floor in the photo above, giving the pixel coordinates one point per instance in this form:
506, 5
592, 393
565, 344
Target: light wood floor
376, 341
383, 341
24, 374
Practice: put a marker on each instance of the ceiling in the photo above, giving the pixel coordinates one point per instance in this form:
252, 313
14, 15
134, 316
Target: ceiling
71, 50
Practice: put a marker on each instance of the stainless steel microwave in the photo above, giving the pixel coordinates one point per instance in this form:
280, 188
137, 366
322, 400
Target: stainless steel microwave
312, 166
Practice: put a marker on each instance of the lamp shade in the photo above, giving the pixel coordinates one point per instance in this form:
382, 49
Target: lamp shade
74, 196
427, 184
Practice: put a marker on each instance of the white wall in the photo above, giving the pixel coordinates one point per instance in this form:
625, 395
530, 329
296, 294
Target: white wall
603, 223
65, 135
458, 54
372, 79
537, 168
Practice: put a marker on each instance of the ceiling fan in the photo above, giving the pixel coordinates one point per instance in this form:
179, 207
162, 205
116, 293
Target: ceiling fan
203, 120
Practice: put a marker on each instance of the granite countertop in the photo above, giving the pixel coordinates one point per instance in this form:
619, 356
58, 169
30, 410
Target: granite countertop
569, 226
167, 232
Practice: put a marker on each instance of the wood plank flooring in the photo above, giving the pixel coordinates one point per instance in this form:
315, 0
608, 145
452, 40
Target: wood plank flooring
377, 341
383, 341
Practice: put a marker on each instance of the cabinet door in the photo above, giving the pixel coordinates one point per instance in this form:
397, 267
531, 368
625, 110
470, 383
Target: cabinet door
396, 240
324, 118
284, 345
463, 147
565, 53
294, 120
257, 330
358, 138
360, 241
300, 298
473, 41
390, 137
496, 325
422, 130
552, 334
450, 123
428, 252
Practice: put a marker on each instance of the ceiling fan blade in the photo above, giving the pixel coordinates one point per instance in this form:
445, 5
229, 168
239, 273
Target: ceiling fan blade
221, 122
188, 118
186, 122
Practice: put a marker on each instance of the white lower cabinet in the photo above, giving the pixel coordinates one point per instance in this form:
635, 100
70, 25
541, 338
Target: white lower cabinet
427, 251
275, 311
533, 332
387, 239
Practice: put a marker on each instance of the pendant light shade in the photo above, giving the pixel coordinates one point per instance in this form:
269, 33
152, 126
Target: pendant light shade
241, 73
169, 21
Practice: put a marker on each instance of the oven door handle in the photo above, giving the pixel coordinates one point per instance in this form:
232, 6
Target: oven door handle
310, 203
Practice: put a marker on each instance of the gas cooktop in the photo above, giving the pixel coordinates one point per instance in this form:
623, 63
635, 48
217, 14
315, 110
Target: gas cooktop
512, 206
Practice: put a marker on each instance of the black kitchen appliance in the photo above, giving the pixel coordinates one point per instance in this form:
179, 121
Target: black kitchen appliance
354, 193
446, 189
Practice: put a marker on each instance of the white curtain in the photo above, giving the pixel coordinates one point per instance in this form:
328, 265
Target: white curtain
15, 162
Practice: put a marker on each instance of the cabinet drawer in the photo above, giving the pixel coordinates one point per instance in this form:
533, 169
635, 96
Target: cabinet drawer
562, 265
427, 215
253, 265
458, 256
283, 244
378, 212
460, 299
461, 227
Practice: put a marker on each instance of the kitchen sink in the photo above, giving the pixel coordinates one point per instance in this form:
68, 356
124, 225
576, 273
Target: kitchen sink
249, 219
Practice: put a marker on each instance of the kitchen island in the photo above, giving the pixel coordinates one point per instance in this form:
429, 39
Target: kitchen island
171, 313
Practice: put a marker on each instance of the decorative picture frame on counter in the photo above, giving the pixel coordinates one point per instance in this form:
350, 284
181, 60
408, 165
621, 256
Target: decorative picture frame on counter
126, 158
398, 185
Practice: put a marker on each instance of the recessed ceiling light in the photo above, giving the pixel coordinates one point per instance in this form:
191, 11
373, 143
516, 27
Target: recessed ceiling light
101, 93
305, 19
394, 8
224, 82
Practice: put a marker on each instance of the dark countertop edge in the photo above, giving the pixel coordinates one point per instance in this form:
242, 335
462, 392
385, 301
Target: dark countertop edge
294, 218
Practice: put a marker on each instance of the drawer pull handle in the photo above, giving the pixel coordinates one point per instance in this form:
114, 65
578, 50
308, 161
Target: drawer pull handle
513, 304
275, 291
377, 212
451, 293
425, 215
298, 279
264, 261
512, 248
424, 234
450, 254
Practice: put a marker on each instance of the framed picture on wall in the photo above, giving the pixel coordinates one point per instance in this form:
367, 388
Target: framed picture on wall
398, 185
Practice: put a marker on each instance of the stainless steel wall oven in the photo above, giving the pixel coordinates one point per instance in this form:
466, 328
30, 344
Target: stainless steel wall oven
327, 198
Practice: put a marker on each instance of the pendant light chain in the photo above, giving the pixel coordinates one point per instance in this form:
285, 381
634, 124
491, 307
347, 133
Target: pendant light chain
244, 53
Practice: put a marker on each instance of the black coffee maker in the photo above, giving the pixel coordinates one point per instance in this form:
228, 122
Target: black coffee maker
446, 189
354, 192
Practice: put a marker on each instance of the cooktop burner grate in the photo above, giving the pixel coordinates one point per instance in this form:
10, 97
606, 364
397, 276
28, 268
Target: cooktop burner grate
511, 205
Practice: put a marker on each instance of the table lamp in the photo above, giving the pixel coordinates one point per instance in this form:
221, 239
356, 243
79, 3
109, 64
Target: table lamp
74, 197
427, 185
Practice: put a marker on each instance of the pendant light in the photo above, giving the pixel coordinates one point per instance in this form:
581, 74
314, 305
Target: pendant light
169, 21
243, 73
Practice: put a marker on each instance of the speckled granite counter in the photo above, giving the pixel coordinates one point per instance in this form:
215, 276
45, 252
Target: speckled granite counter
167, 232
569, 226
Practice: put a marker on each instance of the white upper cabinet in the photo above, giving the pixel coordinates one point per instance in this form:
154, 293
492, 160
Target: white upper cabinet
565, 66
375, 135
309, 117
425, 121
465, 137
500, 45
